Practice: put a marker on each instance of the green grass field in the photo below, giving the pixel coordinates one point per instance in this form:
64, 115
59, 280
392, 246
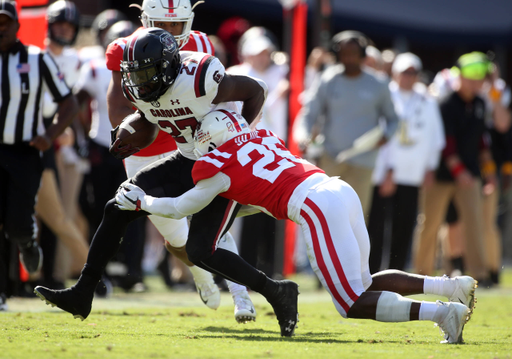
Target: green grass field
163, 324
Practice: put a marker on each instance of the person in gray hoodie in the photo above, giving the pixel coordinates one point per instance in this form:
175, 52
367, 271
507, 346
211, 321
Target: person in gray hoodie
347, 102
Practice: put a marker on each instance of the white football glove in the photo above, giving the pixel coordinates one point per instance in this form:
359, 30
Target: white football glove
130, 197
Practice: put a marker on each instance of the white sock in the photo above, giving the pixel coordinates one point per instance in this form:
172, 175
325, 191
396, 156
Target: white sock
235, 288
428, 311
200, 275
437, 285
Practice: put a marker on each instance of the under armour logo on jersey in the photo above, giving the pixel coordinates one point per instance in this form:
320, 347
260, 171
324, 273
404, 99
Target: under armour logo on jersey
177, 102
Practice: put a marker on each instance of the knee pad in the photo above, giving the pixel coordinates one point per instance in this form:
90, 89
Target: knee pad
175, 232
228, 243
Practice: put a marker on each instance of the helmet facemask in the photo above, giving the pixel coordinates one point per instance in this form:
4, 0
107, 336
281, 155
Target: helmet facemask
158, 11
153, 65
144, 83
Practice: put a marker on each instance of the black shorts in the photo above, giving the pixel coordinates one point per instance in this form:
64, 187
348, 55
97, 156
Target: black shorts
171, 177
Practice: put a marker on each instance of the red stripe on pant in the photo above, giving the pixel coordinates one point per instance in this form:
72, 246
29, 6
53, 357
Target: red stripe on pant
225, 219
332, 254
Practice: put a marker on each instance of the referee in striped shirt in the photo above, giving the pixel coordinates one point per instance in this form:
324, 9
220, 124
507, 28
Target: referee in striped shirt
25, 72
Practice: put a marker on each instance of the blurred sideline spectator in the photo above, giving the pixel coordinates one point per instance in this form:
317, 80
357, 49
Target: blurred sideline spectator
99, 28
373, 60
219, 49
346, 103
497, 95
388, 57
21, 163
230, 31
57, 204
458, 175
403, 165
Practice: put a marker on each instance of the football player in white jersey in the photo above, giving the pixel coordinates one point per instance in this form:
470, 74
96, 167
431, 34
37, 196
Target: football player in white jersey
175, 91
255, 168
176, 17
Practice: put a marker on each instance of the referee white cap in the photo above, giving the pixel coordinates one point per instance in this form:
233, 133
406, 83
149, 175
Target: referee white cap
8, 8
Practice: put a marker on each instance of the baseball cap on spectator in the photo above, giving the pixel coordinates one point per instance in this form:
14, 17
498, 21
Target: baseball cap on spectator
405, 61
255, 45
473, 66
8, 8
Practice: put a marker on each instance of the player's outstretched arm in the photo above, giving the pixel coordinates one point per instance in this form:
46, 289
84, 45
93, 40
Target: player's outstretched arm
132, 198
251, 91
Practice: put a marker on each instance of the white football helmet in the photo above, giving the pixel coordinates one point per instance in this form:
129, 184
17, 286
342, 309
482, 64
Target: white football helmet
216, 128
169, 11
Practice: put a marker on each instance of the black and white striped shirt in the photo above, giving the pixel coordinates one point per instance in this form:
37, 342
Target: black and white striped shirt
26, 72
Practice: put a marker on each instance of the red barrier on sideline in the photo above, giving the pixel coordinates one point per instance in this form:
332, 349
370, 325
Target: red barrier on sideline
297, 68
32, 17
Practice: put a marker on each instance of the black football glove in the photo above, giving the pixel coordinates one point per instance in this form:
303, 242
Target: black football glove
118, 151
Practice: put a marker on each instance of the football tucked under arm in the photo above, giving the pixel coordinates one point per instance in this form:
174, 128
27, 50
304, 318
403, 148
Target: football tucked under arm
132, 135
133, 198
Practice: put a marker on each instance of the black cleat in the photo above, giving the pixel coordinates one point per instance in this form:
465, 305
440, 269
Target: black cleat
31, 256
284, 303
74, 302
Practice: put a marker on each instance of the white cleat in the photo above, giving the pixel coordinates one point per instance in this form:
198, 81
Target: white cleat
209, 293
452, 323
464, 292
244, 309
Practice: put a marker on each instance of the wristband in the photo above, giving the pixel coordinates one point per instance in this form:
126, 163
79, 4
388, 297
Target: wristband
506, 168
457, 169
488, 168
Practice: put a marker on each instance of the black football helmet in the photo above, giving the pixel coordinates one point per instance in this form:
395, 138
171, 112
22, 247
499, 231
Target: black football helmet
151, 63
104, 20
63, 10
120, 29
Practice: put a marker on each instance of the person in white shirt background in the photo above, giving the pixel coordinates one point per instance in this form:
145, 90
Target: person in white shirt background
403, 165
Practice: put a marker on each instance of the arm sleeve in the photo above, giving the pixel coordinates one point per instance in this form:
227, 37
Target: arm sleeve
191, 201
53, 78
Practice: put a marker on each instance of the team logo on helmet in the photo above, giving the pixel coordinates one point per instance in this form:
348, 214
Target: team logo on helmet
168, 42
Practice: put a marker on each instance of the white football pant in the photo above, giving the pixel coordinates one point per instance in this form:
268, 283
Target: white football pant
337, 241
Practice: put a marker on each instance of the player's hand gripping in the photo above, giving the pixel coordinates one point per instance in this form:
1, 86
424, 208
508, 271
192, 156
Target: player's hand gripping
130, 197
118, 151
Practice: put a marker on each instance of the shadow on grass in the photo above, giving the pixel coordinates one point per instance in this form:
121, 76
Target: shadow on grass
271, 336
